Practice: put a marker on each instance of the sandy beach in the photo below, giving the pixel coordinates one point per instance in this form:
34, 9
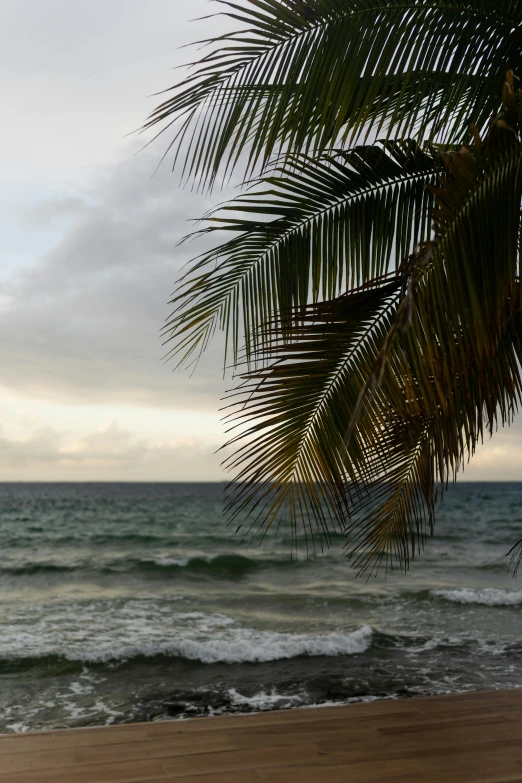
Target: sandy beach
453, 738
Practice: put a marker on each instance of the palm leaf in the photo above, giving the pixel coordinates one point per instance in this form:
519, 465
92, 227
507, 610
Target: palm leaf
451, 371
303, 77
417, 447
302, 234
457, 369
296, 410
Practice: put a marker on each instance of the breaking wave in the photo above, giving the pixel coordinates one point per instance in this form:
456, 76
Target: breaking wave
239, 645
486, 596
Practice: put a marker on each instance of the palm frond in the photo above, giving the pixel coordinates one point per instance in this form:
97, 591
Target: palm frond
457, 368
305, 233
451, 339
292, 415
303, 77
417, 450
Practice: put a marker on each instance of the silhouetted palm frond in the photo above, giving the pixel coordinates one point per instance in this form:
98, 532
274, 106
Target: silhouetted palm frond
417, 366
307, 232
369, 290
301, 77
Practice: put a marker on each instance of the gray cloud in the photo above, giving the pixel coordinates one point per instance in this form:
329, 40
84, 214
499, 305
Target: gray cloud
45, 214
82, 324
76, 76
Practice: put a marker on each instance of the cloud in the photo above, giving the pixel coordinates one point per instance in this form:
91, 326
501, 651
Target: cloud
44, 214
76, 76
110, 452
116, 453
82, 323
80, 326
499, 458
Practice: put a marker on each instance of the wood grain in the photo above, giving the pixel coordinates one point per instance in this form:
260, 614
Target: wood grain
465, 738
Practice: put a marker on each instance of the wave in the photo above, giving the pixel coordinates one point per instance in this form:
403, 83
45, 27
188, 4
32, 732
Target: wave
224, 566
486, 596
84, 539
256, 647
219, 566
36, 568
100, 539
240, 645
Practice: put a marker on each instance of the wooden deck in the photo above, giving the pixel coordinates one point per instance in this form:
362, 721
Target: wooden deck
451, 739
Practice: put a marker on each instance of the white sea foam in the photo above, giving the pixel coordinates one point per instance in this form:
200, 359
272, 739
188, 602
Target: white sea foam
165, 562
100, 631
486, 596
240, 645
17, 728
265, 701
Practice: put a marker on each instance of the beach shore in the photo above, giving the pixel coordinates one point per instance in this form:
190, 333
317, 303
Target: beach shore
130, 603
453, 738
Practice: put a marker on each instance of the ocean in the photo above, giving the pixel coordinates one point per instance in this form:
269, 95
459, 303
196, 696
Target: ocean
136, 602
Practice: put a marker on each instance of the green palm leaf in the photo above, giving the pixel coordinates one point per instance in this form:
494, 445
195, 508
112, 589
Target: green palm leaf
308, 232
370, 293
456, 370
452, 369
302, 77
415, 447
296, 410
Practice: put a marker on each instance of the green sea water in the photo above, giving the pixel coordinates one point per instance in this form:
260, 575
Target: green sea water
127, 602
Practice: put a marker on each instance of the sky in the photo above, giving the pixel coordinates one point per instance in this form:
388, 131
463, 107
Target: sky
89, 228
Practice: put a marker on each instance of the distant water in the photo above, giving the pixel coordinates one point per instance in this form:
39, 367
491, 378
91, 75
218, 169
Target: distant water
130, 602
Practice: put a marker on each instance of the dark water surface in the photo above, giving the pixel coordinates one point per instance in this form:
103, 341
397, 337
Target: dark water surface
126, 602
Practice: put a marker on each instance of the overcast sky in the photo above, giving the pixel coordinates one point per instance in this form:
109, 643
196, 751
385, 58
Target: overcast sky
89, 256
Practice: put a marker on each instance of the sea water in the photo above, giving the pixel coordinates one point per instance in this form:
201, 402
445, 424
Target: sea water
132, 602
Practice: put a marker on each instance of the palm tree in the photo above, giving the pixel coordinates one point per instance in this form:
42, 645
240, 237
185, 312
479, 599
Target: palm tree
369, 283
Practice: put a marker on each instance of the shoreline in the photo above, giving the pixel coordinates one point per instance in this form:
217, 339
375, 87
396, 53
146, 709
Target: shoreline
131, 604
452, 738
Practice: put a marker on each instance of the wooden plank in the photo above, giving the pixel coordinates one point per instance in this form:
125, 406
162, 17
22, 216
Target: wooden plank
165, 747
21, 762
465, 701
433, 754
240, 776
454, 776
123, 772
249, 759
70, 738
404, 707
316, 733
341, 773
466, 738
391, 726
